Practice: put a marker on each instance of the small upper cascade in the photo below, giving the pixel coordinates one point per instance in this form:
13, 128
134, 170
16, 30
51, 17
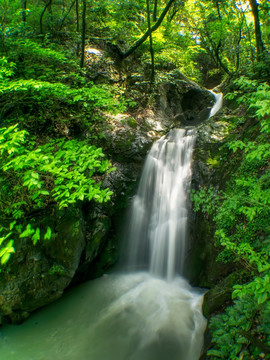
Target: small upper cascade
158, 226
218, 104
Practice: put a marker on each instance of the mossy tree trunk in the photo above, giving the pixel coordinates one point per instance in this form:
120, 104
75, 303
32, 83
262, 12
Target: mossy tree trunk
155, 11
77, 25
77, 16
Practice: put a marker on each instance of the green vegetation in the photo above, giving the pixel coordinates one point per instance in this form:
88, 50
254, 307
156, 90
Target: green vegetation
46, 103
241, 213
52, 115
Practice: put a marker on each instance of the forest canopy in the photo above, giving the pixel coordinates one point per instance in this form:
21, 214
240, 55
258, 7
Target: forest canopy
201, 38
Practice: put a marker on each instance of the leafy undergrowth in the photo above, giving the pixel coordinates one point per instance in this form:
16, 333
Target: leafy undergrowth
241, 212
50, 119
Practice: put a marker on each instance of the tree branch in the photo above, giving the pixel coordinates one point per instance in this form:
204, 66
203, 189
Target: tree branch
42, 14
66, 15
147, 33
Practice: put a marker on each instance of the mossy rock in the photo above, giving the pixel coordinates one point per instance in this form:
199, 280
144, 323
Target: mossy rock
217, 298
101, 227
37, 275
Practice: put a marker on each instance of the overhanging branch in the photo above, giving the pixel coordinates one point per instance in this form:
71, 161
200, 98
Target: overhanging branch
148, 32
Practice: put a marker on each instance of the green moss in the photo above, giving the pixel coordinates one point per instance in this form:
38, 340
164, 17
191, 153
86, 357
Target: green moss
57, 270
218, 296
132, 122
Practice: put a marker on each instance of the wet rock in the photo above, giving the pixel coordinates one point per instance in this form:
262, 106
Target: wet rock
101, 227
128, 138
204, 270
220, 294
182, 102
37, 275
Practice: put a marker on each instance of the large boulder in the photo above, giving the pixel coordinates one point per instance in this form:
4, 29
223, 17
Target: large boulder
181, 102
37, 275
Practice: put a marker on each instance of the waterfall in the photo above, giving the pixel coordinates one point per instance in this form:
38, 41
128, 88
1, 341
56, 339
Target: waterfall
147, 313
158, 225
218, 103
140, 315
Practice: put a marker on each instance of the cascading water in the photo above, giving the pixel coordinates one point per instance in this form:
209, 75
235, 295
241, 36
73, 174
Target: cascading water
218, 103
152, 315
158, 227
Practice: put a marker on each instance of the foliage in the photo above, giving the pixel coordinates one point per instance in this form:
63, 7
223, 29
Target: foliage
34, 102
41, 167
241, 213
59, 172
204, 200
197, 37
48, 108
6, 246
242, 332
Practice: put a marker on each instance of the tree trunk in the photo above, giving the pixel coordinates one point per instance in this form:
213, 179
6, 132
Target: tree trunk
83, 33
238, 49
49, 3
155, 11
77, 16
220, 62
148, 32
213, 51
260, 48
151, 44
218, 10
77, 26
66, 15
50, 23
249, 38
24, 7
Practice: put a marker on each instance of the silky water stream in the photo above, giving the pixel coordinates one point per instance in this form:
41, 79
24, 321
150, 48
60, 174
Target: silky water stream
149, 312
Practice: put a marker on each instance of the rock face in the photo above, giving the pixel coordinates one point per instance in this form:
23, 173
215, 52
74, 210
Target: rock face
38, 275
182, 102
85, 240
203, 270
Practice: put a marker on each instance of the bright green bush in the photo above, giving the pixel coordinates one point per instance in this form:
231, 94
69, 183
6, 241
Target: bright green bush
41, 168
61, 172
241, 213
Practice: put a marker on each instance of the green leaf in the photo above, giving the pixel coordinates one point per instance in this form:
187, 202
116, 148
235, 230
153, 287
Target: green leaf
48, 234
11, 226
36, 236
262, 298
77, 97
27, 232
5, 258
35, 175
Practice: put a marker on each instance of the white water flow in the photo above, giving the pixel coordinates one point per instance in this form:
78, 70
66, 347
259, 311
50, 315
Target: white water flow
158, 228
150, 315
218, 103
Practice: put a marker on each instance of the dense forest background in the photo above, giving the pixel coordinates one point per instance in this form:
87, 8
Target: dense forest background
52, 91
